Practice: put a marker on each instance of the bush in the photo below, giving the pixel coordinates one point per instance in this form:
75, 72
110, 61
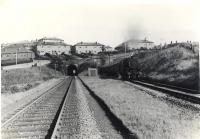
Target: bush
28, 86
14, 89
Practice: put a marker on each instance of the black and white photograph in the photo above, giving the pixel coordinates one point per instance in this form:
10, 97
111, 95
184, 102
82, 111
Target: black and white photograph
100, 69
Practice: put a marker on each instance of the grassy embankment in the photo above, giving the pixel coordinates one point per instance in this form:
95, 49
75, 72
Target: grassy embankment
175, 65
148, 113
18, 80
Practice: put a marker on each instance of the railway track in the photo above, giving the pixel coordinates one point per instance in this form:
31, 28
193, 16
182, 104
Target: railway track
35, 119
61, 112
186, 90
185, 95
75, 119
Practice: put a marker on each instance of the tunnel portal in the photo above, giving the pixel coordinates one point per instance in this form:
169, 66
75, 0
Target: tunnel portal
72, 70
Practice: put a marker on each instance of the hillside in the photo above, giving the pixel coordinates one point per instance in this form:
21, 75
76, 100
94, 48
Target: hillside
176, 65
19, 80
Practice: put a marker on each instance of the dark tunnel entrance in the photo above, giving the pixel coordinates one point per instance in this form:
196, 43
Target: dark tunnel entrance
72, 70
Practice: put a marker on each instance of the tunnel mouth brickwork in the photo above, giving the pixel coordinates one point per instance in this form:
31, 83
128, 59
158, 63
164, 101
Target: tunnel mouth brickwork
72, 70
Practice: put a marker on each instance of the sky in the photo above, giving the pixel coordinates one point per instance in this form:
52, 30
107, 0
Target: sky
107, 22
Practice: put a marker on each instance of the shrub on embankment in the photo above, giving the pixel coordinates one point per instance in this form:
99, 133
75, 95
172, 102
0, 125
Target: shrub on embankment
17, 80
175, 65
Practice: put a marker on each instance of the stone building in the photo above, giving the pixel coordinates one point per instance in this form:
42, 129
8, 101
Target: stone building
88, 47
54, 46
108, 48
135, 44
15, 54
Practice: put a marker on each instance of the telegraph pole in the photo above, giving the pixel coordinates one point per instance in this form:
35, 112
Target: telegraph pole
16, 57
109, 57
63, 70
40, 66
125, 50
55, 68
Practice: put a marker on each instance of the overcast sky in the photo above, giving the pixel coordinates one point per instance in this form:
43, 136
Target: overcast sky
106, 22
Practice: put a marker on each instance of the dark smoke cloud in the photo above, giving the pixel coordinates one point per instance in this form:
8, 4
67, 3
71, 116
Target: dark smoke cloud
135, 32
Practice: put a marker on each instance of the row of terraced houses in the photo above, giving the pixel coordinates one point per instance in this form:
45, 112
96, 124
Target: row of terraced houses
24, 51
57, 46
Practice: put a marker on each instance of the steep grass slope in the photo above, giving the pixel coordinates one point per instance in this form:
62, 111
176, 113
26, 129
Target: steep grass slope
18, 80
175, 65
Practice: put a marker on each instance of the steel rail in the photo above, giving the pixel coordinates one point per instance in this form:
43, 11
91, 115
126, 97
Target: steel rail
30, 104
194, 98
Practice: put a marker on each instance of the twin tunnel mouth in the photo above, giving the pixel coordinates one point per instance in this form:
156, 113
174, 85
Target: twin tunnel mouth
72, 70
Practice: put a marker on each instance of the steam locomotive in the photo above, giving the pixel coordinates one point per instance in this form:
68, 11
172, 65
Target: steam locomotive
126, 69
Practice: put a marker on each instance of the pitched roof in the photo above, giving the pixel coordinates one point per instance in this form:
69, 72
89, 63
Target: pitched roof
138, 41
51, 38
66, 44
54, 43
89, 44
145, 41
14, 48
108, 47
133, 41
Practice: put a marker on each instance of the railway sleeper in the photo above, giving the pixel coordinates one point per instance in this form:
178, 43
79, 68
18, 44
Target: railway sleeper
33, 121
69, 131
24, 134
70, 124
11, 131
36, 119
28, 127
41, 112
28, 124
26, 115
27, 137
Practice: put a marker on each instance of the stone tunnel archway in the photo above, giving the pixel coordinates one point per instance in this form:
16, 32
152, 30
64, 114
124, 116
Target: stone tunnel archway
72, 70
